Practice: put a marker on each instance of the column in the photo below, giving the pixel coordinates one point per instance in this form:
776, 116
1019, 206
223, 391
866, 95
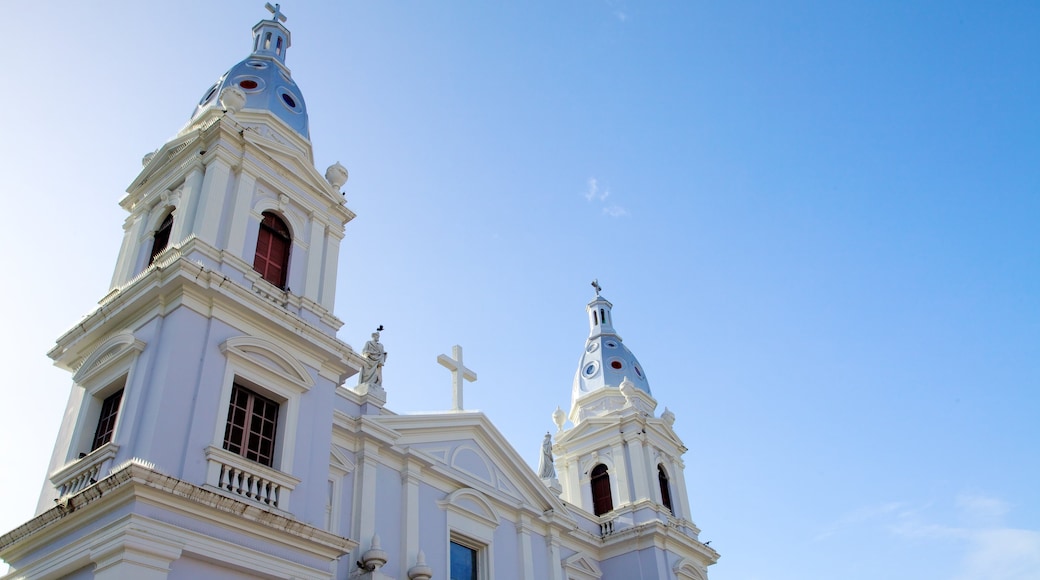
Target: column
680, 499
211, 201
241, 210
524, 553
410, 477
364, 512
315, 253
572, 487
184, 217
328, 291
133, 556
130, 249
555, 563
637, 460
621, 476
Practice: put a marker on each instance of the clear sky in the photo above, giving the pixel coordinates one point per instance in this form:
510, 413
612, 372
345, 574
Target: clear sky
817, 222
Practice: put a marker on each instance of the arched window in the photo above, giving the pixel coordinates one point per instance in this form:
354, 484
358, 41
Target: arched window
272, 250
161, 238
602, 502
666, 495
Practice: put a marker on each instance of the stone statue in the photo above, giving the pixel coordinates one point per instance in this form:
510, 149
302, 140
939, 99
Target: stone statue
546, 469
375, 358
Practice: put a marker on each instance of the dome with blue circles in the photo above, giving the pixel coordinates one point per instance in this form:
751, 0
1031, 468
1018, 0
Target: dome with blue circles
263, 78
606, 361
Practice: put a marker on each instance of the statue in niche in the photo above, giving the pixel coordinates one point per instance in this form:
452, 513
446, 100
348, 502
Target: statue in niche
375, 358
546, 469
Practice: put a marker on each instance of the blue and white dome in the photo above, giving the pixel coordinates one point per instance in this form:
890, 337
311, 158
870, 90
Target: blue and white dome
606, 361
264, 78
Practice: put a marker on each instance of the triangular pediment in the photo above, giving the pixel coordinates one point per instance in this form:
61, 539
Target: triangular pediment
295, 164
160, 159
581, 567
468, 447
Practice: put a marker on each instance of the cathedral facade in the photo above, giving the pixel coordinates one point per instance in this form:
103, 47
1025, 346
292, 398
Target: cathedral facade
211, 432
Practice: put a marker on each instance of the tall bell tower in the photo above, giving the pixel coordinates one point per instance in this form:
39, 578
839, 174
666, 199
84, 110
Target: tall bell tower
618, 460
204, 381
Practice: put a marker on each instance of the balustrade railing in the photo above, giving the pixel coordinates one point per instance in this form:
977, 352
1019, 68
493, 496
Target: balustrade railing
85, 471
231, 473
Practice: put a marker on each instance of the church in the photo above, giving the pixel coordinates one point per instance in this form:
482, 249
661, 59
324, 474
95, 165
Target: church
216, 427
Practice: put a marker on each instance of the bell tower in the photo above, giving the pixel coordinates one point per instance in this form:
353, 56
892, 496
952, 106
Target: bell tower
618, 460
205, 379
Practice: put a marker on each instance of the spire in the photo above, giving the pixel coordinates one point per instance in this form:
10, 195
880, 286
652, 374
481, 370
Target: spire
270, 37
606, 362
600, 320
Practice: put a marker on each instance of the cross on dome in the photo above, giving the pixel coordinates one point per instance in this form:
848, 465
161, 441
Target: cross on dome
595, 284
276, 12
458, 373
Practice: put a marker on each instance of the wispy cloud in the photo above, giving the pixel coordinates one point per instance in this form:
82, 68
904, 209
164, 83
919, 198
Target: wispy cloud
618, 9
991, 549
982, 506
594, 193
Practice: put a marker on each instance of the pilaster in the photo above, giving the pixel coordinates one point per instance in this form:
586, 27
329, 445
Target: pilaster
211, 201
134, 556
240, 214
312, 286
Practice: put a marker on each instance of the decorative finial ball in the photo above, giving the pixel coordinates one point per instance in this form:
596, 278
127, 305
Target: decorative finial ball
628, 388
559, 417
375, 558
232, 99
668, 416
336, 175
147, 159
420, 571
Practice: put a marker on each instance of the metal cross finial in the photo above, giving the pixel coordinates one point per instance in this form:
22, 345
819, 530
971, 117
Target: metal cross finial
595, 284
276, 11
458, 373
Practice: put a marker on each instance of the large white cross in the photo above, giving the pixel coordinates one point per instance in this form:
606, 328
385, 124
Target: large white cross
458, 373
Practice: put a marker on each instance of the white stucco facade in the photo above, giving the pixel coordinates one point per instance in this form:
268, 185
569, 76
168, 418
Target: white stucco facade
148, 480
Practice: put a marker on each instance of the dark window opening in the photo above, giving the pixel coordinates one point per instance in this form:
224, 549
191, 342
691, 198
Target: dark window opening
602, 502
595, 318
463, 562
272, 250
107, 422
666, 495
278, 46
161, 238
252, 423
267, 41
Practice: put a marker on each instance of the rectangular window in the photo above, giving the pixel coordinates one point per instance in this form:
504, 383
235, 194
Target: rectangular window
107, 422
463, 562
251, 425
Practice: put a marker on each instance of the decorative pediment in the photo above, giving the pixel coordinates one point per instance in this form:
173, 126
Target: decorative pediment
472, 504
581, 567
339, 462
108, 353
296, 166
270, 357
470, 450
468, 458
687, 570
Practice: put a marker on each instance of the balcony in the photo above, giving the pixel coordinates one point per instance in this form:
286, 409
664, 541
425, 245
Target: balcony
247, 480
85, 471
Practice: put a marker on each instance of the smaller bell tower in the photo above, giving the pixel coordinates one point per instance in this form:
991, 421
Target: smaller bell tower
618, 460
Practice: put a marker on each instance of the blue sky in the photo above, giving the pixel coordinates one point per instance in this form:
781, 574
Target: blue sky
816, 222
